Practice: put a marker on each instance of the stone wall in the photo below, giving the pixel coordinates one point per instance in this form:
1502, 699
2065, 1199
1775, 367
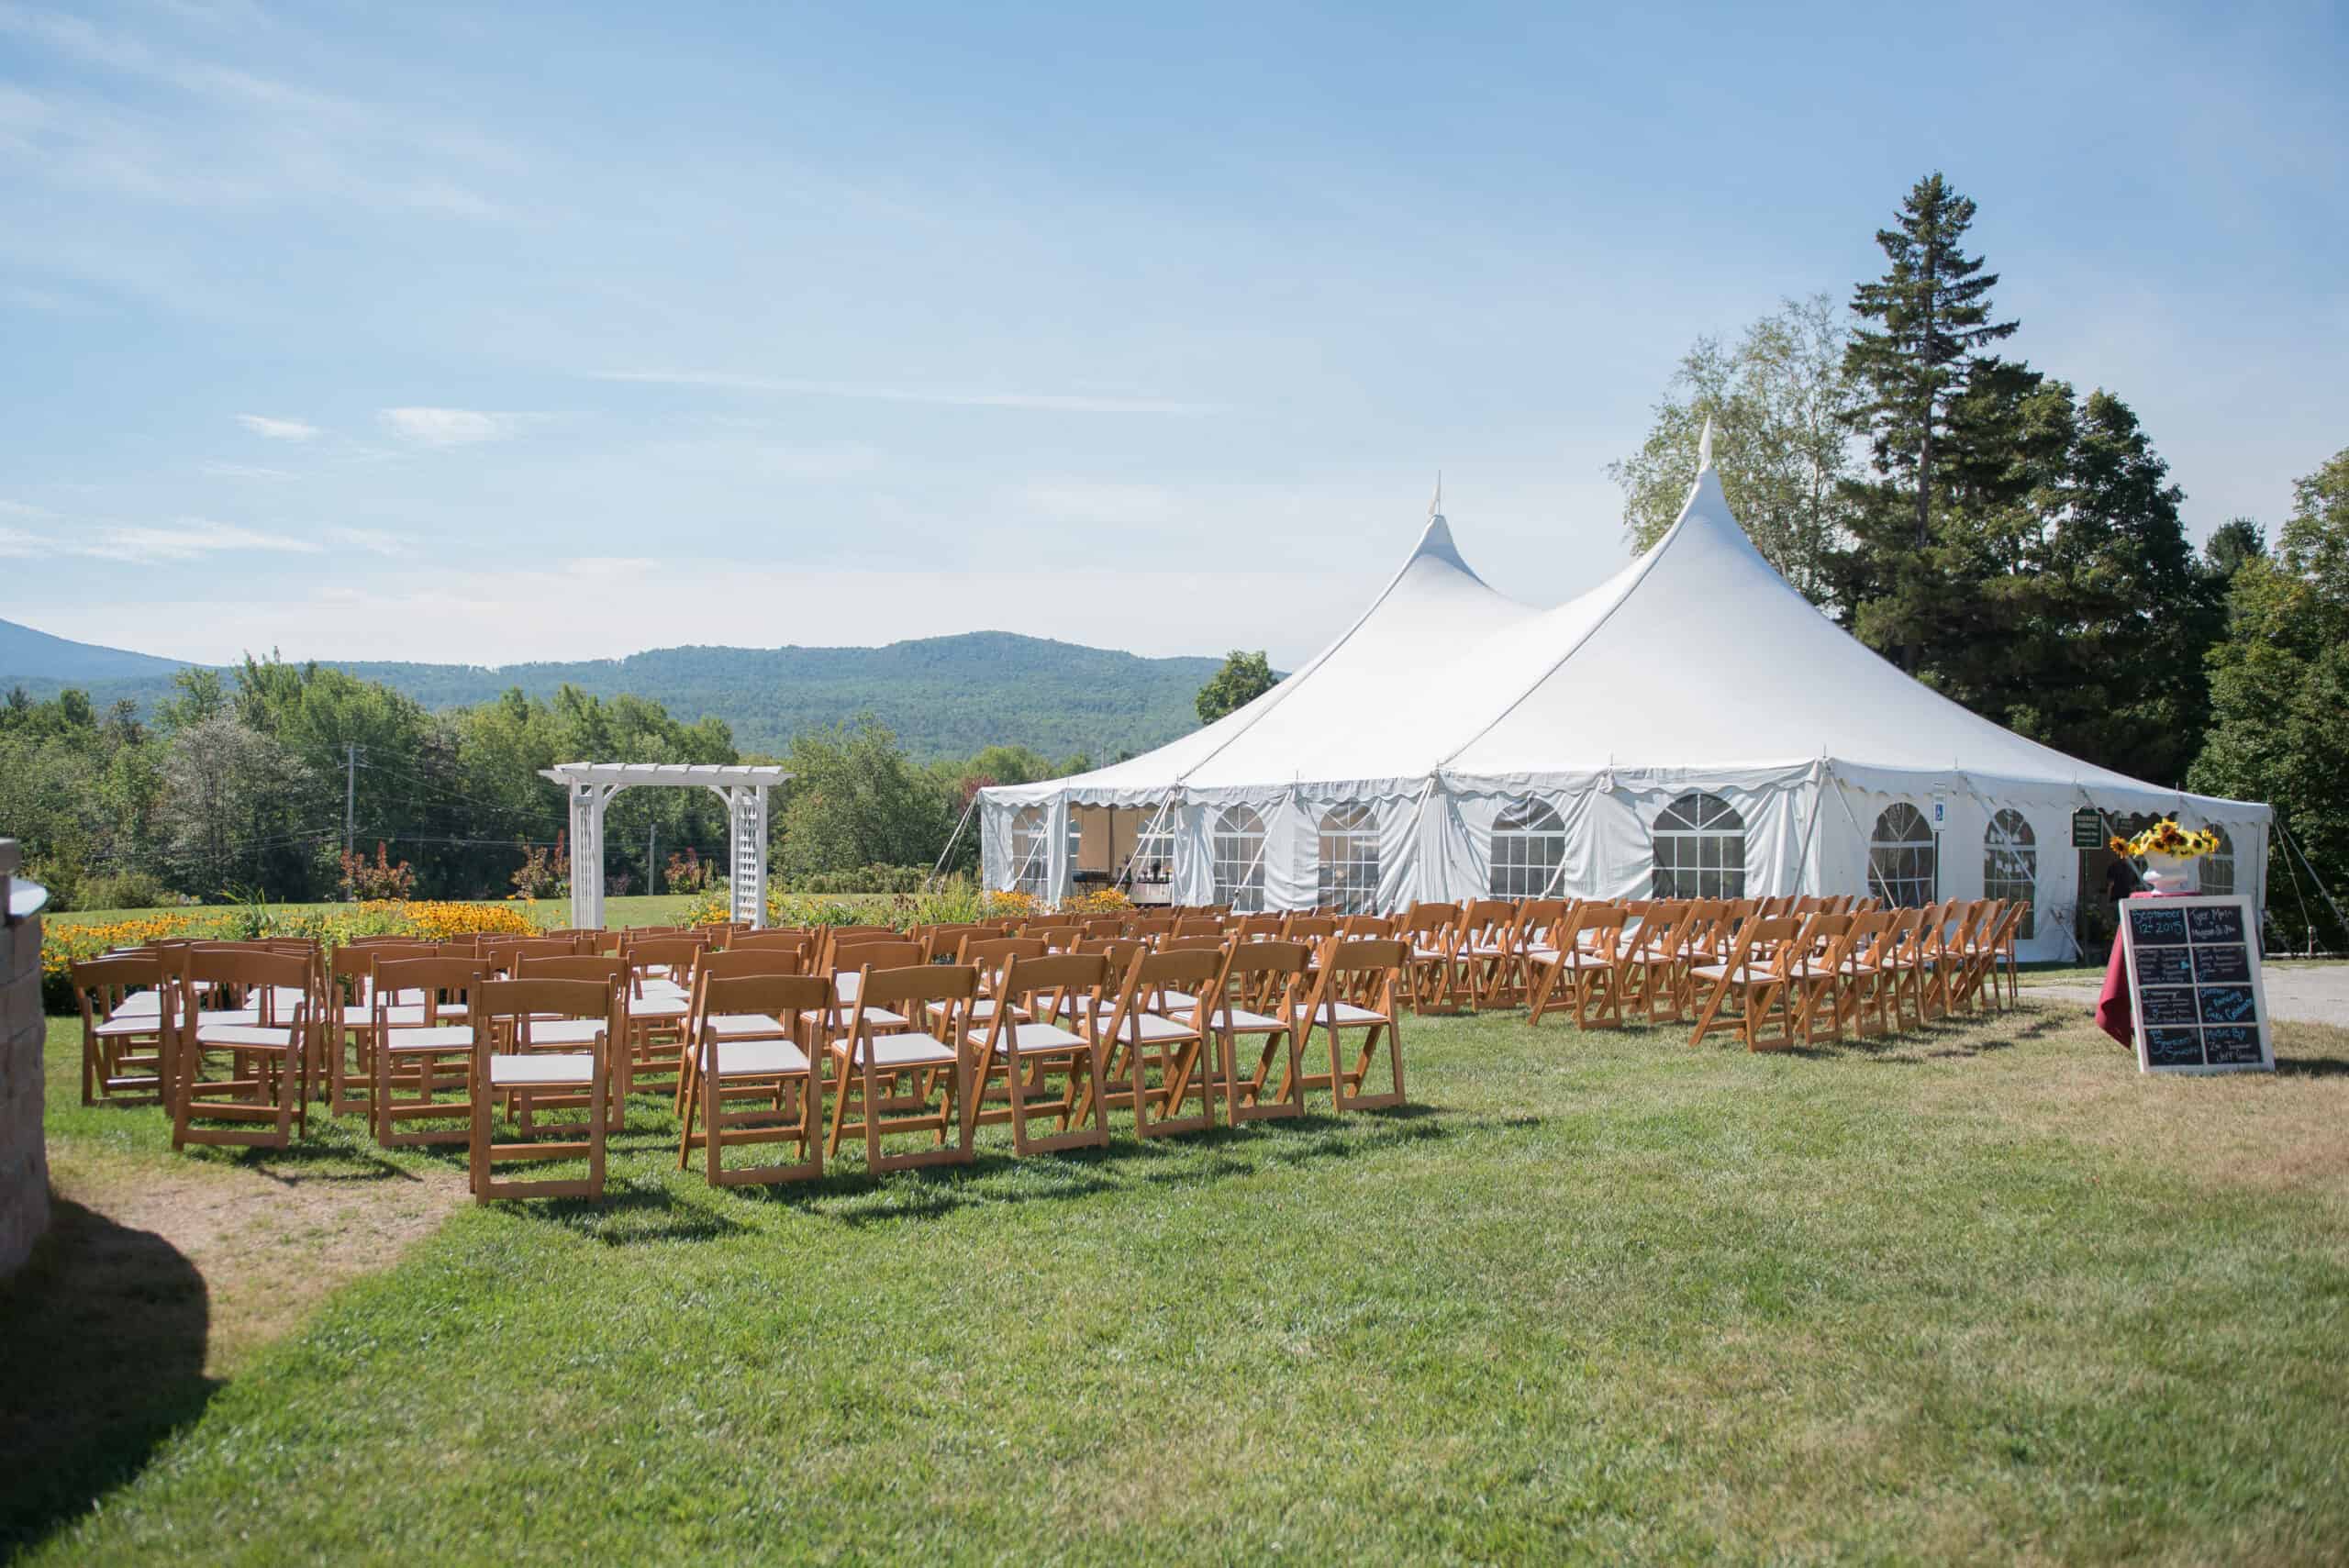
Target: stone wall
24, 1158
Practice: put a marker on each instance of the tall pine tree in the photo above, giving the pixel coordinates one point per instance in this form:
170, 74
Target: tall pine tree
1932, 314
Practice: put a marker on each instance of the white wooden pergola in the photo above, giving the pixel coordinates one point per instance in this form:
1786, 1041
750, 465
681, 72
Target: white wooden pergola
591, 786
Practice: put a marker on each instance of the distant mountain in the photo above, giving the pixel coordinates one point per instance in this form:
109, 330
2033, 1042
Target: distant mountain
36, 653
943, 695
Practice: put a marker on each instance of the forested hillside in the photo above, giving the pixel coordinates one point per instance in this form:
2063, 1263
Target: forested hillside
942, 697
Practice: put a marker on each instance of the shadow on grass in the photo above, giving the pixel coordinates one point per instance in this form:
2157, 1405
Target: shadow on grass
2310, 1066
105, 1331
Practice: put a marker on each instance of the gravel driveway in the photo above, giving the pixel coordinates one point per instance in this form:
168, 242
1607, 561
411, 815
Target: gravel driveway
2309, 993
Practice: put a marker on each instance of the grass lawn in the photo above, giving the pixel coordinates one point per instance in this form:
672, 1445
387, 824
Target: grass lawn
1980, 1293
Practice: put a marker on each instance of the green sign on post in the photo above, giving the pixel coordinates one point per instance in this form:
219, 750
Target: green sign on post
2087, 830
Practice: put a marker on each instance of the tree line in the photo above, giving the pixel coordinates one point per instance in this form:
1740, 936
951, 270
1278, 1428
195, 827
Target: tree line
2019, 546
241, 783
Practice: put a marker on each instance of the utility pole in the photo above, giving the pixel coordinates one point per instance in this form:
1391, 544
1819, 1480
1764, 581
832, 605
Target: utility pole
350, 803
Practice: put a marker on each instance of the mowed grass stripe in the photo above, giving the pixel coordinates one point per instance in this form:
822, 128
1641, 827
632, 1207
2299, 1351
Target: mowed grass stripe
1971, 1294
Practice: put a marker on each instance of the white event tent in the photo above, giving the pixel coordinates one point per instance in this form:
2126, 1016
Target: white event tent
1692, 727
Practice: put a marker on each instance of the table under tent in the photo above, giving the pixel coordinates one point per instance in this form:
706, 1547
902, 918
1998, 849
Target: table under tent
1690, 727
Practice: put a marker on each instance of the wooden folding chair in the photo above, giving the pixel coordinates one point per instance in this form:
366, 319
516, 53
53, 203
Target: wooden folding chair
1754, 979
1430, 930
744, 1040
1654, 959
120, 998
514, 1021
1480, 945
895, 1072
424, 1046
1267, 985
1533, 935
349, 1020
266, 1041
1371, 970
1026, 1055
1157, 1042
1818, 972
1588, 963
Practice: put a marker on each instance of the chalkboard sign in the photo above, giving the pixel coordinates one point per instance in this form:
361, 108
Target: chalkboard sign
2195, 988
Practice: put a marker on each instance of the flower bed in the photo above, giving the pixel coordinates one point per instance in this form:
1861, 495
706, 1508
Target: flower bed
64, 944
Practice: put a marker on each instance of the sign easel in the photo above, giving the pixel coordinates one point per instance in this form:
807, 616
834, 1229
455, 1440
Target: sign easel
2198, 999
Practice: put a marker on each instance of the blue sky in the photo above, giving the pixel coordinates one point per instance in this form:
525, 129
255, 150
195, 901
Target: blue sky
502, 333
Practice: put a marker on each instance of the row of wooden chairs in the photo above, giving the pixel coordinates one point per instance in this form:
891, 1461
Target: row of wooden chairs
407, 1033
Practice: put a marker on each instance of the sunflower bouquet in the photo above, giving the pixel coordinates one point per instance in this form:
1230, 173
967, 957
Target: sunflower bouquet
2166, 838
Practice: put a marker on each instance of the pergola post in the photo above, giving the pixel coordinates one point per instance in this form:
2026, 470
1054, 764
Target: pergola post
588, 803
749, 876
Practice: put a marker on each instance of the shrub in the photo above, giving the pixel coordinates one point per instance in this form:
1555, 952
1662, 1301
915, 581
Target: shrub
865, 879
379, 878
544, 873
122, 890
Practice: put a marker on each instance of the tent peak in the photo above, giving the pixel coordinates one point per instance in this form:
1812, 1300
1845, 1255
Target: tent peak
1704, 446
1436, 542
1435, 503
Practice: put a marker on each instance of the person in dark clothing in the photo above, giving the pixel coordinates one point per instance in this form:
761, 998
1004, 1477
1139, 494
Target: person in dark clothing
2120, 880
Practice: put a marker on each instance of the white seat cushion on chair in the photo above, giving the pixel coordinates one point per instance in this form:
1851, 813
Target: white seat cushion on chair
542, 1070
249, 1036
139, 1005
756, 1058
906, 1050
1026, 1037
737, 1025
433, 1037
1245, 1022
1348, 1014
565, 1031
651, 1006
1148, 1028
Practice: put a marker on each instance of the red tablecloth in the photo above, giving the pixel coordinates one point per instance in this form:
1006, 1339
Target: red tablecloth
2114, 1013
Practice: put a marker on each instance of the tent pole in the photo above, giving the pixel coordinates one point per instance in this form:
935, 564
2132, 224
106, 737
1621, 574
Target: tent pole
2322, 892
952, 840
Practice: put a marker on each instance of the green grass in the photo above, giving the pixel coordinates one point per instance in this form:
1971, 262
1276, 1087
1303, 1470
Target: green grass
1982, 1294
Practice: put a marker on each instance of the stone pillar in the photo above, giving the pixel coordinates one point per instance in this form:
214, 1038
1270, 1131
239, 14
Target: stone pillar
24, 1157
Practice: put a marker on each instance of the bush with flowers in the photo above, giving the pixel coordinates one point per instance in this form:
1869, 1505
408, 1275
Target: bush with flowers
2166, 838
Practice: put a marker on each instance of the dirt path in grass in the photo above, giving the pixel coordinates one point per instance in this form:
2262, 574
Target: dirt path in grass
160, 1277
268, 1240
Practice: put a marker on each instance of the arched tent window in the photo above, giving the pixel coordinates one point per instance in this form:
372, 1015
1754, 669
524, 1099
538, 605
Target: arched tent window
1238, 857
1903, 867
1031, 861
1350, 859
2218, 868
1529, 843
2010, 866
1152, 861
1700, 848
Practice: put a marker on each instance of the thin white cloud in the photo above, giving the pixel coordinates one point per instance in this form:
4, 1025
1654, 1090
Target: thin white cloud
1083, 501
606, 566
190, 538
374, 541
451, 427
16, 544
23, 509
958, 397
277, 430
240, 470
